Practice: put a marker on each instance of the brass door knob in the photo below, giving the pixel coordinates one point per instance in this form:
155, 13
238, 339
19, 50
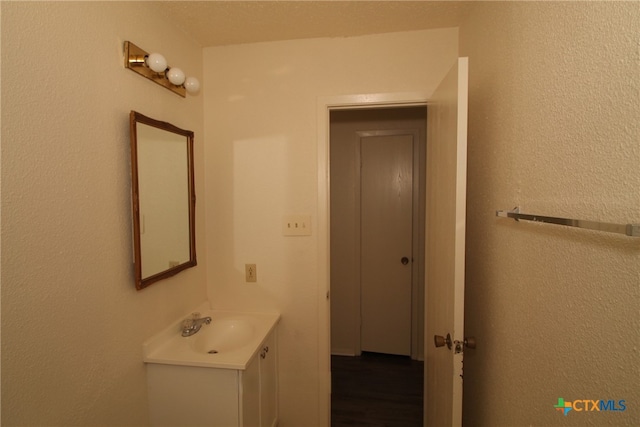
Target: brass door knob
470, 342
440, 341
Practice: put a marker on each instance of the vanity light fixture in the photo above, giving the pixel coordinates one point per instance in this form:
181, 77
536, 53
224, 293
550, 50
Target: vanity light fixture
154, 67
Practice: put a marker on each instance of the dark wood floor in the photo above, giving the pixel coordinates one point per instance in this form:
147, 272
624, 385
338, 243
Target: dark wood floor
376, 390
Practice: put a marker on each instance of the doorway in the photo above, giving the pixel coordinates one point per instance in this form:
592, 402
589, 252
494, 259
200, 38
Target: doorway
377, 177
448, 107
377, 208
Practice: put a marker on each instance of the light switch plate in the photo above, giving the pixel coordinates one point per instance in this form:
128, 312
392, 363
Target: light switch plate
296, 225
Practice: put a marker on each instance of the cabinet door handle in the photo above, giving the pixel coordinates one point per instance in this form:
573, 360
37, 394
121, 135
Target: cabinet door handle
264, 351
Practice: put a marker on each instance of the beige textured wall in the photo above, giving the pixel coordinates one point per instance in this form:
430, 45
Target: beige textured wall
72, 321
261, 160
554, 129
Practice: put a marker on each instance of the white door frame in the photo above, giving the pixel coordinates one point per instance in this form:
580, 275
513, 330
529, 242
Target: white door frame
324, 105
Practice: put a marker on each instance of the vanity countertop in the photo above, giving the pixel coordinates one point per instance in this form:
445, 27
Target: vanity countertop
230, 341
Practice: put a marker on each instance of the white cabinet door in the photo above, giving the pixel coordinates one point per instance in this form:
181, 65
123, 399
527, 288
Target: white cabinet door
269, 382
192, 396
250, 395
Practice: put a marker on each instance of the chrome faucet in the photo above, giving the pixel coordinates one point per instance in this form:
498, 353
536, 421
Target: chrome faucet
192, 325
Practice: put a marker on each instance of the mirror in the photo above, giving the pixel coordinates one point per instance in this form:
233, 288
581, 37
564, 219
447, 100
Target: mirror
163, 199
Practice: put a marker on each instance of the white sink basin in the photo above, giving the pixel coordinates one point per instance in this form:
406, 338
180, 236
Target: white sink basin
223, 335
230, 341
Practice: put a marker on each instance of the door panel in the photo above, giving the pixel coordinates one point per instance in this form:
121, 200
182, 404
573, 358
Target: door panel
386, 238
445, 229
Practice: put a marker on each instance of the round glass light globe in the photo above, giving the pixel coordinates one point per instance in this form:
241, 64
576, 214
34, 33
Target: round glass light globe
156, 62
176, 76
192, 84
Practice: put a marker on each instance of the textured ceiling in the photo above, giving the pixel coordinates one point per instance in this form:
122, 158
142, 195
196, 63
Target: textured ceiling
216, 23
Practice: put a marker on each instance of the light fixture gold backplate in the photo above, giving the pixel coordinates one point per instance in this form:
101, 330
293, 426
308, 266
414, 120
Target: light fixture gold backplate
134, 60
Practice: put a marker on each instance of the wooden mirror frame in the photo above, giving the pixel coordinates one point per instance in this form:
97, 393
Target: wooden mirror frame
143, 282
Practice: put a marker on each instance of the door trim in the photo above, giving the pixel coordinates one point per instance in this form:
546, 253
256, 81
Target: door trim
324, 105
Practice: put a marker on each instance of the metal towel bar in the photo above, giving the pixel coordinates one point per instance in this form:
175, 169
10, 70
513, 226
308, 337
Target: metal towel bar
632, 230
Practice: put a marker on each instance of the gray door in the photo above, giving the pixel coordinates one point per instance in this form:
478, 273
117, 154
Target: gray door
386, 188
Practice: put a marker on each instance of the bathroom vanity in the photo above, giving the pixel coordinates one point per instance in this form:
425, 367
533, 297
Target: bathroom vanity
224, 375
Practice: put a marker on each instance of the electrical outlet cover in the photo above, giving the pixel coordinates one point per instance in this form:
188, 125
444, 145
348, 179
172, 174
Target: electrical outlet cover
250, 272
